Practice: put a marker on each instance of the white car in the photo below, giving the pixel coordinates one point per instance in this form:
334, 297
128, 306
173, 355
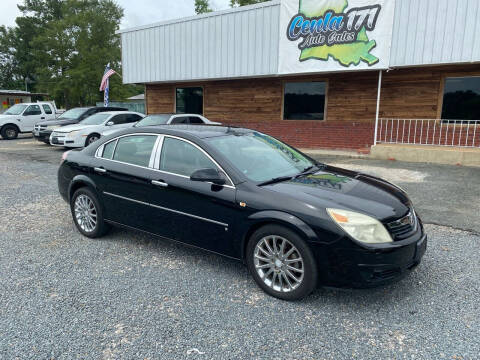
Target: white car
21, 118
169, 119
87, 131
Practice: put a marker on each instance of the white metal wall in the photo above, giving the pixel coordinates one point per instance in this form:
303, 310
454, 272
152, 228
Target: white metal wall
435, 32
233, 43
243, 42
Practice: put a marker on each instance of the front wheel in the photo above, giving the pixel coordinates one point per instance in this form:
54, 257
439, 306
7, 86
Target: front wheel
91, 139
9, 132
87, 213
281, 263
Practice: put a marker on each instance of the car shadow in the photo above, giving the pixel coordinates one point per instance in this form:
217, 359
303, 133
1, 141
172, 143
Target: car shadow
381, 296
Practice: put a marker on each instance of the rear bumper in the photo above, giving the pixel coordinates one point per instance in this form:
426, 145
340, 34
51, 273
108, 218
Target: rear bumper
361, 268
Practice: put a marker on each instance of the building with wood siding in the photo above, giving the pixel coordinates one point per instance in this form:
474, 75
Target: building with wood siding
289, 69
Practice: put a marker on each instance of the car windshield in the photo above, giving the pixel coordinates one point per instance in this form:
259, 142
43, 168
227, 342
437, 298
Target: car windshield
159, 119
260, 157
74, 113
15, 109
96, 119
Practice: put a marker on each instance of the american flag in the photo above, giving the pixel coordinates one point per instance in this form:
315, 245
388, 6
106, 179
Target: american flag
108, 72
105, 84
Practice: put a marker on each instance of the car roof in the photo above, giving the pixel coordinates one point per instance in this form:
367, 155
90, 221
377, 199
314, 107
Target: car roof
119, 112
197, 131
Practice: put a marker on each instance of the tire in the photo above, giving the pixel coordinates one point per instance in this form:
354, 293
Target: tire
84, 199
91, 139
9, 132
263, 272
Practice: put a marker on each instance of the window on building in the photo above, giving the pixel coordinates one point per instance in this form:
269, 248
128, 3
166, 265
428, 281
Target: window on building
189, 100
304, 100
461, 98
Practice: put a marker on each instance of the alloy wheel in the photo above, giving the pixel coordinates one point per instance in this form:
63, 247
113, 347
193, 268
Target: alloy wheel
10, 133
92, 139
278, 263
85, 213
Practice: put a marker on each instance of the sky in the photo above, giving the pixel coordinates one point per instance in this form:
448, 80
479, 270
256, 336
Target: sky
137, 12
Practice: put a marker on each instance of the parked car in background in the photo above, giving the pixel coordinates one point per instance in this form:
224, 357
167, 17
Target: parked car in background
294, 221
88, 130
43, 130
22, 118
169, 119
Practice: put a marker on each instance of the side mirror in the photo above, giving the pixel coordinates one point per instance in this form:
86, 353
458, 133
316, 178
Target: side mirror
110, 123
208, 175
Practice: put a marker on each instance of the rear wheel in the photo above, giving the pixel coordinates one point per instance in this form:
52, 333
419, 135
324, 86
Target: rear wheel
87, 213
91, 139
9, 132
281, 263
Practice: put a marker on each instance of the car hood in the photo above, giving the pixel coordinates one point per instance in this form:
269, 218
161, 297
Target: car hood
344, 189
74, 127
58, 122
7, 117
114, 130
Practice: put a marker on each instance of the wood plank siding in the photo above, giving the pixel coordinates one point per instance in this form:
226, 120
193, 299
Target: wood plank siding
350, 102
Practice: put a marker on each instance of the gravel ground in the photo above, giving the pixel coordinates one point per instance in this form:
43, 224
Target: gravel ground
132, 296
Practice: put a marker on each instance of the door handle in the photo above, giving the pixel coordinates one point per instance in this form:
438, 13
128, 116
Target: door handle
100, 170
159, 183
42, 118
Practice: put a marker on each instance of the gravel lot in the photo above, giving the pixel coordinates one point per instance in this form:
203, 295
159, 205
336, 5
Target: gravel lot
132, 296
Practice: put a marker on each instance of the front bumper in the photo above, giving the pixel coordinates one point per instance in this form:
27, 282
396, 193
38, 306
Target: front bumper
43, 135
362, 268
62, 139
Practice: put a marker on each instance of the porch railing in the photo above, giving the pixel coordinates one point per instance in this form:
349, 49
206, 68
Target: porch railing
444, 132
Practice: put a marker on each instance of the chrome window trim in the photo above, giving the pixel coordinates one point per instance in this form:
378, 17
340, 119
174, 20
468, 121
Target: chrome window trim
153, 154
158, 154
199, 148
167, 209
156, 164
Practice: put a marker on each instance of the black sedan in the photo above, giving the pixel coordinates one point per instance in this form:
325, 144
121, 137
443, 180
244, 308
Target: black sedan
295, 222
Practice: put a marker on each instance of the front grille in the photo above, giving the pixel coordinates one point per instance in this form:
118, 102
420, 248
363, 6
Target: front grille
403, 227
40, 127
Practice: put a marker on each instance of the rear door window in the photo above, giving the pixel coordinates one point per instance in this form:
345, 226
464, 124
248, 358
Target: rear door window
180, 120
47, 109
195, 120
135, 149
108, 150
133, 118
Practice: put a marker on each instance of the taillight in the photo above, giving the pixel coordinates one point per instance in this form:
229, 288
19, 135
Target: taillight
64, 156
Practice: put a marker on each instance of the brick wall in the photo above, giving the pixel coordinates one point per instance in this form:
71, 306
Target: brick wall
351, 103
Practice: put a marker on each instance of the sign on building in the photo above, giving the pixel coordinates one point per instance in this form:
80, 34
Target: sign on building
331, 35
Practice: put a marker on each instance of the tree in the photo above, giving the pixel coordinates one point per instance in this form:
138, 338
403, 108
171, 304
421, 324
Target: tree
235, 3
63, 47
202, 6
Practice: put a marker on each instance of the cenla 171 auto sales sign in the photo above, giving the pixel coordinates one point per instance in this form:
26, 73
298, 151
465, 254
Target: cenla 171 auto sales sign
332, 35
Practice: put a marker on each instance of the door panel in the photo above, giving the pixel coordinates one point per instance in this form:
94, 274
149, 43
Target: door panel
30, 117
202, 214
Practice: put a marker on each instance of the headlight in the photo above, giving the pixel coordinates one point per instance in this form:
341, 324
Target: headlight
73, 133
52, 127
361, 227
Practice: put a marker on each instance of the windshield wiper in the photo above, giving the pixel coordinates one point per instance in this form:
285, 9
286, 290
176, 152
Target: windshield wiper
275, 180
310, 169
